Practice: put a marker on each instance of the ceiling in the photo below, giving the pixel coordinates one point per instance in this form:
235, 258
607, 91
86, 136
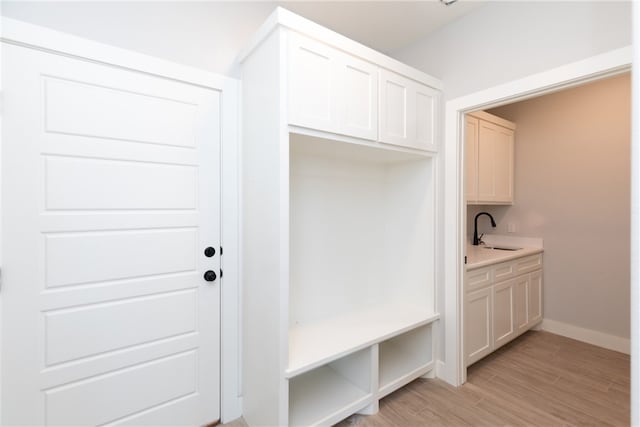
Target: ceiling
209, 34
383, 25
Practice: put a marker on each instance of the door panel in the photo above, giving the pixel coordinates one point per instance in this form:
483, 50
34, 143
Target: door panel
359, 98
110, 194
312, 84
521, 308
535, 297
503, 316
478, 332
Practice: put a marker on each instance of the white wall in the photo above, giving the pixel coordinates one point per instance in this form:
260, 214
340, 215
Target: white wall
206, 35
503, 41
572, 188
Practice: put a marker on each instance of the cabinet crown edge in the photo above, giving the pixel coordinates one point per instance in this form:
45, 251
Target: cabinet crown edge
483, 115
282, 17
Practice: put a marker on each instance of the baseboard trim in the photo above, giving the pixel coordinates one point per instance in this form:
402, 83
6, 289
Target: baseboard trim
611, 342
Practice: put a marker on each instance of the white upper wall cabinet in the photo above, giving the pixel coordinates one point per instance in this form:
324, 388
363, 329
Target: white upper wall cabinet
407, 112
348, 89
489, 144
330, 90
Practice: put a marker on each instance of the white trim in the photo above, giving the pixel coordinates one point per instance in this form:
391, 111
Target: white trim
635, 218
230, 342
611, 342
285, 18
580, 72
43, 39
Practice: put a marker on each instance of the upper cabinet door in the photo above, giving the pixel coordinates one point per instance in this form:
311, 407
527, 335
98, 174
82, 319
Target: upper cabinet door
358, 97
407, 112
471, 158
495, 163
313, 84
330, 90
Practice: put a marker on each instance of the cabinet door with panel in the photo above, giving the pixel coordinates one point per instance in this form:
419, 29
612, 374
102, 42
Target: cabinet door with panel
407, 112
535, 297
503, 313
357, 97
521, 303
495, 163
330, 90
313, 84
478, 331
471, 158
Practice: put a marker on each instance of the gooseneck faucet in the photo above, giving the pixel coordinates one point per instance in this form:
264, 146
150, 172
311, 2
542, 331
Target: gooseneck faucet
476, 240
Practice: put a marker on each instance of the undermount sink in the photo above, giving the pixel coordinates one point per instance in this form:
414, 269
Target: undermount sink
502, 248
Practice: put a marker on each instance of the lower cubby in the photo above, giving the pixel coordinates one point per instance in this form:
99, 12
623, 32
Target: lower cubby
332, 392
404, 358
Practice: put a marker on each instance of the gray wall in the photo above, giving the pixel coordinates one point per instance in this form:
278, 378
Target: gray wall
572, 188
503, 41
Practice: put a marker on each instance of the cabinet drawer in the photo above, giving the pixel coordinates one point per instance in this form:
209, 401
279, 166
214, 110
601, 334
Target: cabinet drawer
479, 278
504, 271
528, 264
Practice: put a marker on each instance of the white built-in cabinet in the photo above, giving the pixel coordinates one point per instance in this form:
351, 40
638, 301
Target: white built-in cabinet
489, 158
338, 264
337, 92
330, 90
407, 112
501, 302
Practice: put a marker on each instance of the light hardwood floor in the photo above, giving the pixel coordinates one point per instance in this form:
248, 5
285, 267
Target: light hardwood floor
540, 379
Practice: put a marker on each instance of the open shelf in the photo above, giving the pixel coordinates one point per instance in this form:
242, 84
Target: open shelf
331, 392
314, 344
361, 250
404, 358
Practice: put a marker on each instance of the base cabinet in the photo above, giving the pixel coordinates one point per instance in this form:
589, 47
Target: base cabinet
478, 325
503, 313
502, 301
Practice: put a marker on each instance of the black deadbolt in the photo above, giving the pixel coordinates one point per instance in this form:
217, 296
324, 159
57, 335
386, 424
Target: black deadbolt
210, 275
209, 252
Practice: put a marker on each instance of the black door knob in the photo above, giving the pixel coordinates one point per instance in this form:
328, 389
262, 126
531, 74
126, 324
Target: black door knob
210, 275
209, 252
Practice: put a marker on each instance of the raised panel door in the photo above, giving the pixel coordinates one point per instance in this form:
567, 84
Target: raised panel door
358, 97
313, 84
535, 297
407, 112
471, 158
111, 192
394, 108
478, 332
495, 163
503, 313
521, 303
503, 166
426, 106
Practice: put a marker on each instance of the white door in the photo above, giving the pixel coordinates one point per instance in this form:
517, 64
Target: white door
521, 303
471, 158
495, 163
477, 331
407, 112
110, 196
503, 318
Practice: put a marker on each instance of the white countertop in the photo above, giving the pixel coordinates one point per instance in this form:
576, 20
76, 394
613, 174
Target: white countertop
480, 256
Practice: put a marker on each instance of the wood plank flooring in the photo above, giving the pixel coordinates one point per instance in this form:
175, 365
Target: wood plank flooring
540, 379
